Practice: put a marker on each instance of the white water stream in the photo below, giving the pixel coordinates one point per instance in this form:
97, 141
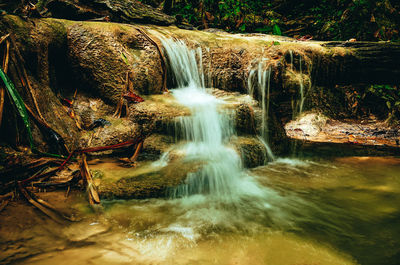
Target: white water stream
261, 78
299, 105
207, 132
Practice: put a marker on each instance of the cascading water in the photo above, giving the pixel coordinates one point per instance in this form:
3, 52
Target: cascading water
301, 81
263, 84
298, 107
206, 131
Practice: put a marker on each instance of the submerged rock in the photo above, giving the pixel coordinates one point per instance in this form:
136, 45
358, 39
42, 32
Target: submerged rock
251, 150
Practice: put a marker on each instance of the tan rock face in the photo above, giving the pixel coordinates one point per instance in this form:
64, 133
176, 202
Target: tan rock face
101, 54
310, 125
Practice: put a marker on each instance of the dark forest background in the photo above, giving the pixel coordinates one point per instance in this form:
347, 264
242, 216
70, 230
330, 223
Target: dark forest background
323, 20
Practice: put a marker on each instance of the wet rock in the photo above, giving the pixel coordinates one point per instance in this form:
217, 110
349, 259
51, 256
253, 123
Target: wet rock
307, 125
245, 119
153, 184
120, 130
154, 146
314, 127
157, 113
101, 55
251, 150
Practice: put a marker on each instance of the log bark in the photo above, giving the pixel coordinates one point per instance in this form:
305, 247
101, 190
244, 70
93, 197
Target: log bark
362, 63
125, 11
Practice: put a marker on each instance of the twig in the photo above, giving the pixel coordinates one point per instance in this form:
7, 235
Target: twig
3, 38
83, 151
51, 207
3, 204
67, 192
120, 104
6, 57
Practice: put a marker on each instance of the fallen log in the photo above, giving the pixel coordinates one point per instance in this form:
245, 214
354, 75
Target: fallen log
362, 63
127, 11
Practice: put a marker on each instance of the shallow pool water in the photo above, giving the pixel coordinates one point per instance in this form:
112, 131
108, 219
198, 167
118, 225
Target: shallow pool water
336, 211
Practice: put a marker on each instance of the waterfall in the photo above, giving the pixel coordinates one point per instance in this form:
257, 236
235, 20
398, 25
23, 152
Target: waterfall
263, 83
298, 107
301, 88
206, 131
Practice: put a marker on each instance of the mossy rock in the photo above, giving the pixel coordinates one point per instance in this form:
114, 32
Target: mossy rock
153, 184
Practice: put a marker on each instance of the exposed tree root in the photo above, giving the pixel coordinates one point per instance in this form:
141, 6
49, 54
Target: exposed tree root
53, 134
5, 69
19, 64
162, 57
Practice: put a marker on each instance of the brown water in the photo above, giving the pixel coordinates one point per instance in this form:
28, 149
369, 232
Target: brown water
338, 211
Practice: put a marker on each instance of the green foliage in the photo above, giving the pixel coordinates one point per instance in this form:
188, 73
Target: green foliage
123, 56
19, 104
324, 20
276, 30
391, 96
231, 15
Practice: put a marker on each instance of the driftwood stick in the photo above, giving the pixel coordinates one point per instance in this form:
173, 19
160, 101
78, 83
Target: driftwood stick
51, 207
43, 209
87, 177
6, 196
137, 152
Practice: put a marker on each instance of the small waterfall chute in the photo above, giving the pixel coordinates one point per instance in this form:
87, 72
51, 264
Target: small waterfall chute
260, 78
